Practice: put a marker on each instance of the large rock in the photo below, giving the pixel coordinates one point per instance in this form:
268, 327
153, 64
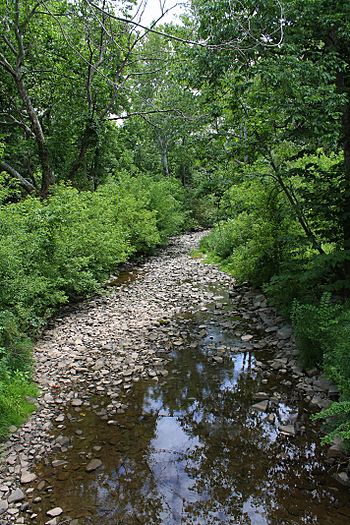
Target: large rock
342, 478
16, 496
27, 477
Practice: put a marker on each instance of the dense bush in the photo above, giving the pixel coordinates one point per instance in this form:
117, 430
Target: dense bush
313, 328
335, 344
62, 248
259, 235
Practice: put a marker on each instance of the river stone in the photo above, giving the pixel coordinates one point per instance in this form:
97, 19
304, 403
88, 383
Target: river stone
77, 402
342, 478
16, 496
63, 441
94, 464
51, 522
59, 463
247, 337
41, 485
27, 477
287, 430
284, 332
260, 396
3, 506
262, 406
57, 511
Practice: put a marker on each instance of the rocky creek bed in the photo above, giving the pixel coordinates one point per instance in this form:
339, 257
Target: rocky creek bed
174, 399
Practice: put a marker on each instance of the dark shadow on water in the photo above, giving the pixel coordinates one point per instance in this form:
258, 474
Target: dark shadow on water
191, 450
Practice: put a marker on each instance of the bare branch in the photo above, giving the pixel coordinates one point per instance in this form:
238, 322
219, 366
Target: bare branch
28, 186
18, 123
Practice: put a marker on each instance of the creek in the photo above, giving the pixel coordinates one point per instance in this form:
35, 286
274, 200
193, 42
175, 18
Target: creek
190, 449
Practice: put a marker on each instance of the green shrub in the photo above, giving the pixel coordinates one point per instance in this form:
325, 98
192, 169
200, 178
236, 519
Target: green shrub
62, 248
313, 332
337, 418
337, 367
258, 237
14, 405
337, 360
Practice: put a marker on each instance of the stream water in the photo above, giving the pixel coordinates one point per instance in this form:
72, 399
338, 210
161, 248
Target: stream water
189, 449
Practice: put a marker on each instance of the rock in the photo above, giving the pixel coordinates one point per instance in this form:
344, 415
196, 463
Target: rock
94, 464
3, 506
77, 402
53, 513
27, 477
322, 383
247, 337
287, 430
59, 463
261, 406
284, 332
63, 441
336, 450
16, 496
333, 392
51, 522
41, 485
259, 396
342, 478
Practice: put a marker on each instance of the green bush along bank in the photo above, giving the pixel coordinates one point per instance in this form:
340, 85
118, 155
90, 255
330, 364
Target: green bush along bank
63, 248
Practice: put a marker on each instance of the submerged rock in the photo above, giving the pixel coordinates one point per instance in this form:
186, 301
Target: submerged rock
93, 465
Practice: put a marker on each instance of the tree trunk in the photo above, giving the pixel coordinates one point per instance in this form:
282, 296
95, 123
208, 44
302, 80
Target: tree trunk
43, 152
89, 140
164, 156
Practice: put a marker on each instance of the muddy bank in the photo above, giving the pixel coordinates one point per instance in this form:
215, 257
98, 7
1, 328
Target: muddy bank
174, 376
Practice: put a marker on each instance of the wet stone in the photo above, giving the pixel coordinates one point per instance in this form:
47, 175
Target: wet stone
287, 430
261, 406
53, 513
94, 464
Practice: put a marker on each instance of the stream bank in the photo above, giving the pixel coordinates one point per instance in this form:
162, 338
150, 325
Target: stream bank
174, 399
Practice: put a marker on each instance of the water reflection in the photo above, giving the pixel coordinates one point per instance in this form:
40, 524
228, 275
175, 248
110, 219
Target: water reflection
191, 451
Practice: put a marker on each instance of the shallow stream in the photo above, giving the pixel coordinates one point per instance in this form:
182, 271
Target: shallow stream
189, 449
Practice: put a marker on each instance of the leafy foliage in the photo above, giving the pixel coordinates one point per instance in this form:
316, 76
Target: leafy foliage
313, 328
62, 248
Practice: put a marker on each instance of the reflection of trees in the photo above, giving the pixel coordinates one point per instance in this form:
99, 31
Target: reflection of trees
124, 491
239, 473
225, 467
